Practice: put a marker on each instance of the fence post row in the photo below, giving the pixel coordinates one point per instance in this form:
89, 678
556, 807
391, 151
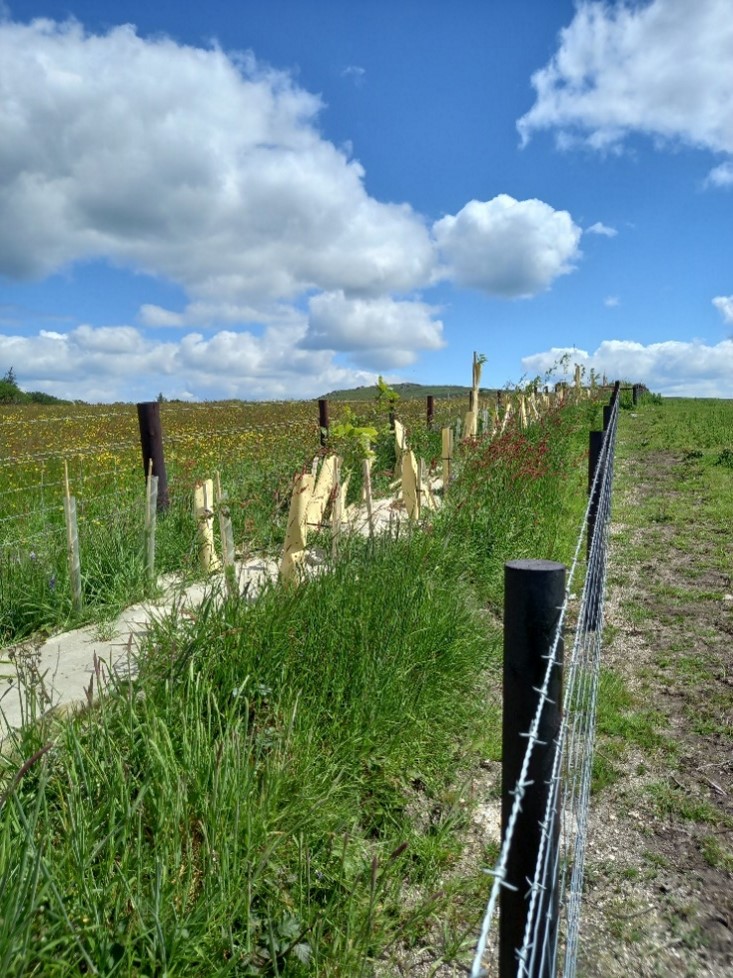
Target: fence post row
534, 592
151, 441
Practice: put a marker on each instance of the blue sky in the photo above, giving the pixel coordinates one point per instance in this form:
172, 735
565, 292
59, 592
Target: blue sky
273, 199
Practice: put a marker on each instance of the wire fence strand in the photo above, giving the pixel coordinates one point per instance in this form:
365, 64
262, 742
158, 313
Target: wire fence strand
550, 937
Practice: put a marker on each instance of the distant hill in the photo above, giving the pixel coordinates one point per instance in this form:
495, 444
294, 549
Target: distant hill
406, 392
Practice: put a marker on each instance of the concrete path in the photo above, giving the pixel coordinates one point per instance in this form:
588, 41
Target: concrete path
36, 678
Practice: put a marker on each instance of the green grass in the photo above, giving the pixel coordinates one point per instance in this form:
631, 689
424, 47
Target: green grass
262, 796
673, 801
677, 452
717, 855
623, 720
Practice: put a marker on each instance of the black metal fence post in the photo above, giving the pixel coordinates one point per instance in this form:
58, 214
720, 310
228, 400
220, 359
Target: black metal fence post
594, 454
608, 408
323, 420
151, 441
534, 592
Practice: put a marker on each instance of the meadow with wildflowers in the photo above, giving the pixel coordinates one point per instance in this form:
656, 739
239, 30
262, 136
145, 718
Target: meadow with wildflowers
256, 447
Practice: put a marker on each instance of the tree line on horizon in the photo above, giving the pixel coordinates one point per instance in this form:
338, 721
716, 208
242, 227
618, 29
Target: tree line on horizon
10, 393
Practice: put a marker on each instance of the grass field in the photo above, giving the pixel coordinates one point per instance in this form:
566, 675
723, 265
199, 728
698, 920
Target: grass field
660, 875
283, 787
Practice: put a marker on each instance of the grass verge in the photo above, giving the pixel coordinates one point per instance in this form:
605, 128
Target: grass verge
259, 799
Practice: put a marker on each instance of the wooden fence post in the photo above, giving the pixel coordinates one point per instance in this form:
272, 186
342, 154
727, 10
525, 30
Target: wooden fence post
226, 535
72, 543
430, 411
151, 441
366, 468
447, 455
204, 512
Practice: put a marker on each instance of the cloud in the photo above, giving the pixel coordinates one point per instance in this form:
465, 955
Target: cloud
660, 69
508, 247
208, 169
120, 363
378, 333
214, 314
602, 229
673, 368
188, 163
152, 315
611, 301
356, 73
724, 305
720, 176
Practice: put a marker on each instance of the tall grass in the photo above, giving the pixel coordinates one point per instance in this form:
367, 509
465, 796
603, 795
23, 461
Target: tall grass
257, 799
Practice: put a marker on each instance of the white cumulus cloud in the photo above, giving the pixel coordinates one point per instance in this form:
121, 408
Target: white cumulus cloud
724, 305
208, 169
120, 363
508, 247
203, 167
673, 368
661, 68
379, 333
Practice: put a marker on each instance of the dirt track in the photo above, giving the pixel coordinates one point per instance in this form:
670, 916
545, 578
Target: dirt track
659, 880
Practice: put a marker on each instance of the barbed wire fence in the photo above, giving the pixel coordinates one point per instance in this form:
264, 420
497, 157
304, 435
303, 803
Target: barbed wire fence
539, 911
